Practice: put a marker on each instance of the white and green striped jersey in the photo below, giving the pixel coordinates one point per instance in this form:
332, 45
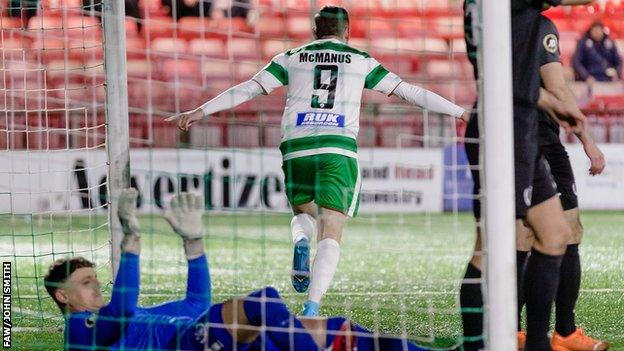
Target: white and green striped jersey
325, 79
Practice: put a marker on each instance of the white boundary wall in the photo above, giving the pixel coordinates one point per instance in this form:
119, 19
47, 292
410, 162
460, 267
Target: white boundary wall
393, 180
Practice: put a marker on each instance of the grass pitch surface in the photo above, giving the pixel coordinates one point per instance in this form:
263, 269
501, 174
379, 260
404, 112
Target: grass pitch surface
399, 274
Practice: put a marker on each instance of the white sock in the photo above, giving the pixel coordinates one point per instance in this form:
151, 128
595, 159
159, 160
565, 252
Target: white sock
324, 268
302, 226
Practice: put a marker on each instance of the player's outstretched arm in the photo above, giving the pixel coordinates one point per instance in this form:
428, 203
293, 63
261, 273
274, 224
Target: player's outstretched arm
226, 100
184, 215
125, 294
429, 100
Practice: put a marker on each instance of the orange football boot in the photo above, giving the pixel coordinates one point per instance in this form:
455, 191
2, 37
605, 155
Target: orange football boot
577, 341
521, 340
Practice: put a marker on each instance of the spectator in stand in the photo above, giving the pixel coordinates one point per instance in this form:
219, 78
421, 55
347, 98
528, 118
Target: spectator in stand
214, 9
596, 57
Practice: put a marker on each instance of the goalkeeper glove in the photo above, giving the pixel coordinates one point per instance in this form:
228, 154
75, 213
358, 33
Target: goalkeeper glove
185, 215
127, 211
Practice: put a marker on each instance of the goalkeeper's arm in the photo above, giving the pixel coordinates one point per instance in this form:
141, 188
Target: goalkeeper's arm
429, 100
228, 99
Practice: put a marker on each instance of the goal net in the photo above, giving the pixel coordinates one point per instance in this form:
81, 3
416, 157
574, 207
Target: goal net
402, 257
52, 131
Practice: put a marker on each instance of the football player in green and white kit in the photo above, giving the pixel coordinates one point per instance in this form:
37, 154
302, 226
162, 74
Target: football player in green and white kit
325, 79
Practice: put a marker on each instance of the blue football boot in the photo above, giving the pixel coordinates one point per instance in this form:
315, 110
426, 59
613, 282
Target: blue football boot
301, 266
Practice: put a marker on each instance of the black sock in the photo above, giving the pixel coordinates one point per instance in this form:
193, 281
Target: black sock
471, 302
521, 258
569, 285
540, 288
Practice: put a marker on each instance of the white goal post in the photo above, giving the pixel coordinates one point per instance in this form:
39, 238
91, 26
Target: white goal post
498, 157
118, 133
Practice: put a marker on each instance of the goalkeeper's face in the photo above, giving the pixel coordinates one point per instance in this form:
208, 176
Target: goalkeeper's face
82, 291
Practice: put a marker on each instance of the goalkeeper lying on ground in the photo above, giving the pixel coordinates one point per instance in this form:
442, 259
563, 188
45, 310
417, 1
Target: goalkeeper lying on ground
259, 321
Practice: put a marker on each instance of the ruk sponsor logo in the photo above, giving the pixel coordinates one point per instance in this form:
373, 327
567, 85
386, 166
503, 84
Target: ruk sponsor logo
321, 119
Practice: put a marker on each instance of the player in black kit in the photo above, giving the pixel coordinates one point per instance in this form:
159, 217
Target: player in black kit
534, 187
566, 336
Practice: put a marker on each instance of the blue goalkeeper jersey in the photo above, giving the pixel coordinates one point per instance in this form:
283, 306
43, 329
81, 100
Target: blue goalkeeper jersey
123, 325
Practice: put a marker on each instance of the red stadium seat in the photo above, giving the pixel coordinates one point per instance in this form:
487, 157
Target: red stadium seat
14, 48
298, 26
431, 46
135, 48
22, 75
195, 27
246, 70
234, 24
243, 135
82, 27
393, 46
205, 135
445, 69
459, 92
7, 23
144, 94
44, 136
217, 70
157, 27
271, 27
94, 73
82, 50
208, 48
403, 7
138, 68
437, 7
413, 27
37, 23
272, 47
48, 49
450, 27
458, 46
52, 7
376, 28
244, 48
363, 44
271, 135
164, 134
186, 95
398, 136
60, 71
175, 70
169, 46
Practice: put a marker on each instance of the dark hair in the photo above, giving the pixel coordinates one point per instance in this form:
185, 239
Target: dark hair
331, 20
596, 23
58, 273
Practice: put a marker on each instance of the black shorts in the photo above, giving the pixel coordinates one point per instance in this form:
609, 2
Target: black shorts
533, 182
561, 170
